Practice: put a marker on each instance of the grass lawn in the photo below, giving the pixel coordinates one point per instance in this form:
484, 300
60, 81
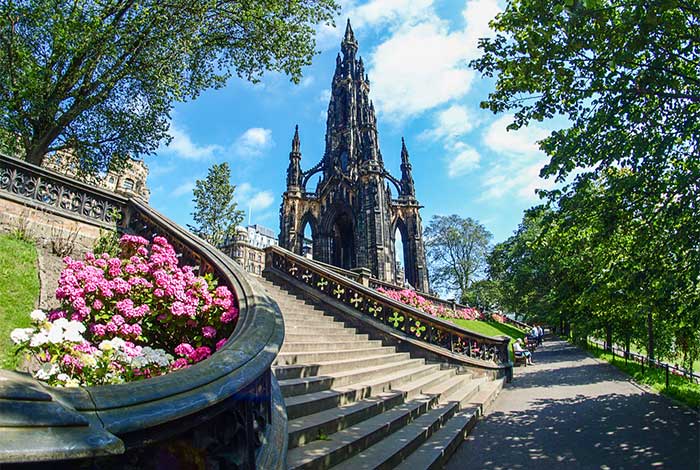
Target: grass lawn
19, 290
679, 388
491, 328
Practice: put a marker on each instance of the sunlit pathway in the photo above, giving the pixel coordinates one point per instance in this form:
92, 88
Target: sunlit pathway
571, 411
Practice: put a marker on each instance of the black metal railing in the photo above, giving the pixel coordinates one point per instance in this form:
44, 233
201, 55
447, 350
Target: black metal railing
646, 361
399, 317
227, 407
448, 304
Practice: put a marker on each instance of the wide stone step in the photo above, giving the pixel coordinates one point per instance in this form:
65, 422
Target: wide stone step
448, 387
342, 336
306, 429
311, 357
323, 368
314, 402
436, 451
391, 450
322, 454
408, 384
318, 329
307, 316
373, 376
340, 344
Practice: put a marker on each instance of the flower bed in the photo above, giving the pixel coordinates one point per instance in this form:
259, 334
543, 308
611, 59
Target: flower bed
411, 298
129, 317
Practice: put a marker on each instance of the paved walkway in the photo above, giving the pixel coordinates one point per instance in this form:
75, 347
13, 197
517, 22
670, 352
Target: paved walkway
571, 411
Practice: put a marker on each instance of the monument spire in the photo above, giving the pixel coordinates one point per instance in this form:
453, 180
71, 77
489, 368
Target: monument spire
407, 186
294, 168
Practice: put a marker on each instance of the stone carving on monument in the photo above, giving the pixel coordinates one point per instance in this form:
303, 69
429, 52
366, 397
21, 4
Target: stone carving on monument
351, 213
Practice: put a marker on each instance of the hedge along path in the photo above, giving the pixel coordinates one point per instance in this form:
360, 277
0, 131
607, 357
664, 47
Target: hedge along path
19, 291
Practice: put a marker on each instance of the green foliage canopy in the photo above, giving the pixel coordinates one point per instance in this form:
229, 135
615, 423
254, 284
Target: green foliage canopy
215, 213
100, 78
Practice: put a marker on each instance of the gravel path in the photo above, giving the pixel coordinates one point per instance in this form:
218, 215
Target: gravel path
572, 411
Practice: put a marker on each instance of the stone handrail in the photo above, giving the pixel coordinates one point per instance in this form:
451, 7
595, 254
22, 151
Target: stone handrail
402, 319
228, 407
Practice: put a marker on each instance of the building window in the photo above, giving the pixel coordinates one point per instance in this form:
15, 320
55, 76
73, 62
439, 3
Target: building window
111, 180
128, 184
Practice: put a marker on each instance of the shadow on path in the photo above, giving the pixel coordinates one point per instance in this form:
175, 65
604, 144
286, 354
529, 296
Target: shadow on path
571, 411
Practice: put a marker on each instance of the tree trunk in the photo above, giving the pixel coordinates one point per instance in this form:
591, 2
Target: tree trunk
628, 339
608, 337
650, 335
35, 156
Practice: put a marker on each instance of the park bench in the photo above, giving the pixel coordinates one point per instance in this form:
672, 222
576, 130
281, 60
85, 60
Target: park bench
518, 358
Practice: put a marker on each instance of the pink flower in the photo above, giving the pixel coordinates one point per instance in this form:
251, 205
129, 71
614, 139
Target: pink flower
97, 304
179, 363
209, 332
199, 354
184, 349
220, 343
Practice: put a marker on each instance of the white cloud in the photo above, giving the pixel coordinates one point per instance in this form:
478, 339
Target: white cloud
423, 64
250, 198
325, 96
518, 161
183, 146
253, 142
183, 188
451, 123
463, 161
523, 141
418, 68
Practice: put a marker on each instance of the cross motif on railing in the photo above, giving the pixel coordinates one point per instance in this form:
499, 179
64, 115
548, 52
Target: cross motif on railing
396, 319
418, 329
375, 310
306, 276
338, 291
322, 283
355, 301
293, 270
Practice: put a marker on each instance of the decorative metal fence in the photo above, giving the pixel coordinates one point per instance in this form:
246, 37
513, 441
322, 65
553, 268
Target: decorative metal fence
399, 317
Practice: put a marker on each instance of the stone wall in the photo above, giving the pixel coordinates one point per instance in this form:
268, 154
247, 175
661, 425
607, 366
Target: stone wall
45, 227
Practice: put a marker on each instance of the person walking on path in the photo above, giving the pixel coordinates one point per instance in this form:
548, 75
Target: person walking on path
571, 411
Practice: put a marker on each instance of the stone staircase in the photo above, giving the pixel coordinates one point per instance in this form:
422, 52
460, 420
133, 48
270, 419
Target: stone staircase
353, 403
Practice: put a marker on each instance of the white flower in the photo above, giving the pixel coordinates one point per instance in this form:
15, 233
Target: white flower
117, 343
89, 360
37, 316
62, 322
55, 335
39, 339
75, 326
139, 362
21, 335
106, 345
73, 336
63, 377
46, 371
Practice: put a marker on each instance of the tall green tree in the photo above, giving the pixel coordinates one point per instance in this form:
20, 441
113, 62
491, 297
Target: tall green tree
622, 244
215, 213
457, 248
100, 78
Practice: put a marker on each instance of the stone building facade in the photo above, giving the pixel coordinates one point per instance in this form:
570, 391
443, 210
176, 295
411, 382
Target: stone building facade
130, 181
352, 215
248, 247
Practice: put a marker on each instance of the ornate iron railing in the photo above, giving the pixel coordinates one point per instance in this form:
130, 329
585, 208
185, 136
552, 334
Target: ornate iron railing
404, 320
39, 187
378, 283
228, 407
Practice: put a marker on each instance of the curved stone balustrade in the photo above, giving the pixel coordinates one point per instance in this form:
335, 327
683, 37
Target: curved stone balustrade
226, 409
405, 321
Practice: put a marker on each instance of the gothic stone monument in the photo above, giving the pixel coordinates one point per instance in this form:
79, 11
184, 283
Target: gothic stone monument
352, 215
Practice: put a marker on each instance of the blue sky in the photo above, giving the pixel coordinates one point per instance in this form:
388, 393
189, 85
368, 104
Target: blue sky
416, 53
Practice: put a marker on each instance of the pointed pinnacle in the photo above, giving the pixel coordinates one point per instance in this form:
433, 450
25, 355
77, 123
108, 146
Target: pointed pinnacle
349, 34
295, 141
